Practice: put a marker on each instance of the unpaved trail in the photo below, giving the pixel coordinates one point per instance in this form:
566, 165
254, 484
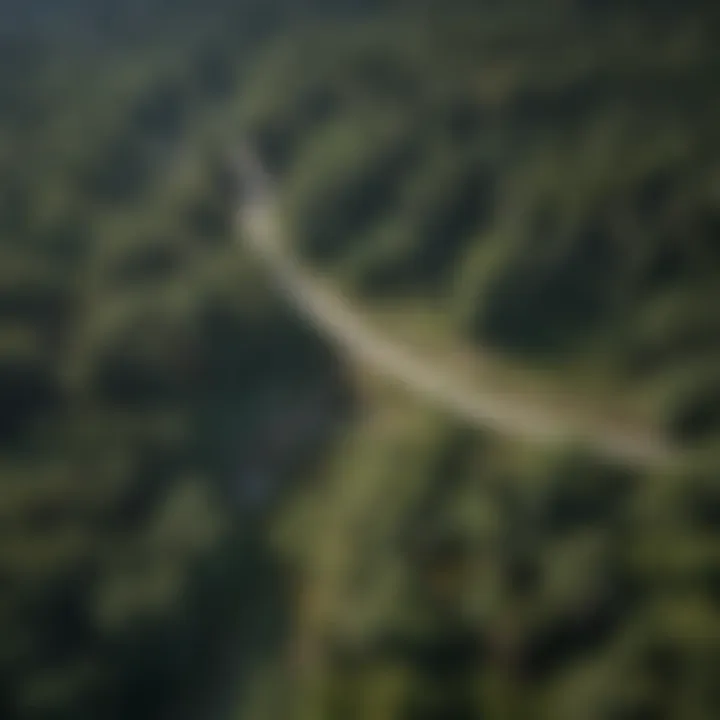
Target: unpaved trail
483, 400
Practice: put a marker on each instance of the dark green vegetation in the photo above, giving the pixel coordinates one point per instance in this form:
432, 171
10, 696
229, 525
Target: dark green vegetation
547, 173
136, 356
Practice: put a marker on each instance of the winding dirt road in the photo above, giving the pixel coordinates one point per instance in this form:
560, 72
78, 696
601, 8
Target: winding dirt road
534, 417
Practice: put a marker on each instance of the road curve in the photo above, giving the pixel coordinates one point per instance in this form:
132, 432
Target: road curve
529, 416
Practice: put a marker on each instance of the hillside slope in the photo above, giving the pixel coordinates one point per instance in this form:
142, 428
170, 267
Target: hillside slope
202, 504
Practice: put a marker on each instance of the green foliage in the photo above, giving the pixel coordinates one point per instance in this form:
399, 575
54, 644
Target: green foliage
543, 176
131, 333
545, 179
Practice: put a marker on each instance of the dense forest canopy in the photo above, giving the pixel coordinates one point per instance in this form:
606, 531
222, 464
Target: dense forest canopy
205, 512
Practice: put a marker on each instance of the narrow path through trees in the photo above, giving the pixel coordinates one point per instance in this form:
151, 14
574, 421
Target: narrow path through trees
527, 415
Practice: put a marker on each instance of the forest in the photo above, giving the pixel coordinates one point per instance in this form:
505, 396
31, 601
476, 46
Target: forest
206, 511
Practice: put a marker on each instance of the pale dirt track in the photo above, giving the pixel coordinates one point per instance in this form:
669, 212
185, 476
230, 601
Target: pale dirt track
482, 401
